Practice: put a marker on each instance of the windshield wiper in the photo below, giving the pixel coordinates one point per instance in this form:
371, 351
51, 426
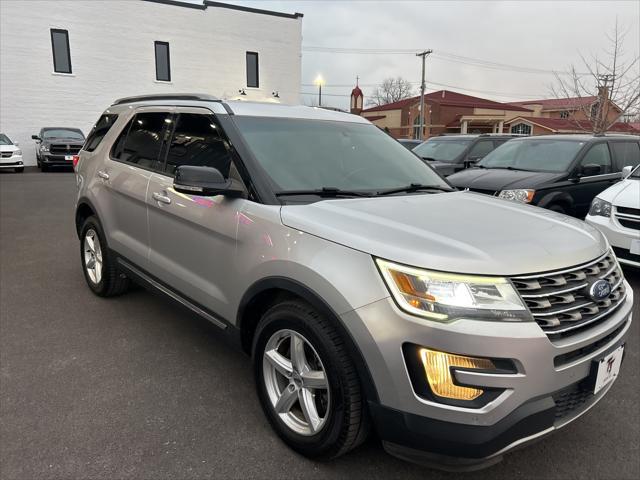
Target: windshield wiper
429, 159
510, 168
414, 187
324, 192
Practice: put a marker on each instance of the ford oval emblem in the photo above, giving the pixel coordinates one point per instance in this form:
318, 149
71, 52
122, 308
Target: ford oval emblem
599, 290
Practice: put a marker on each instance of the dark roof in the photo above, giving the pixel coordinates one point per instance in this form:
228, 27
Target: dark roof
209, 3
452, 99
566, 124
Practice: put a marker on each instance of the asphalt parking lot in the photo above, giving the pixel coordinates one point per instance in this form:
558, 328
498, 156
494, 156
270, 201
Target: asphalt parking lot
133, 387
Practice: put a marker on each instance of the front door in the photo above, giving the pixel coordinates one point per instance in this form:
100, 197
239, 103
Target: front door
589, 186
192, 238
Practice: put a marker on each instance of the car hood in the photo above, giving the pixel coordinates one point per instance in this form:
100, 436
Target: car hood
623, 194
500, 179
462, 232
8, 148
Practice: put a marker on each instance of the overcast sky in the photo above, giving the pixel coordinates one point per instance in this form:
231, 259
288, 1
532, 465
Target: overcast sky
531, 36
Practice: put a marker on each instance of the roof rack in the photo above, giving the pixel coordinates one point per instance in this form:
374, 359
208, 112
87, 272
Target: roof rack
165, 96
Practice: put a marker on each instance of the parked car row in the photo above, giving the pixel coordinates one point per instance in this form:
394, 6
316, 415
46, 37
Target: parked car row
366, 289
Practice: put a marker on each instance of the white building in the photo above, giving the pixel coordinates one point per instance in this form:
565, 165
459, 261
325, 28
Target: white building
63, 62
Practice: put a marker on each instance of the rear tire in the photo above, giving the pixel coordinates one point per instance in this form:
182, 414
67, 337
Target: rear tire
327, 416
98, 264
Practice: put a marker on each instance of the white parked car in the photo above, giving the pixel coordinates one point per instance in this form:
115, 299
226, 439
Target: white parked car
616, 212
10, 154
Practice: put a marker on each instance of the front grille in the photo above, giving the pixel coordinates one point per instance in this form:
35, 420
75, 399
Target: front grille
64, 149
565, 358
559, 300
626, 254
569, 400
628, 217
7, 154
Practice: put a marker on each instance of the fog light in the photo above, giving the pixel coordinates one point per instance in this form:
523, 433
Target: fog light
437, 366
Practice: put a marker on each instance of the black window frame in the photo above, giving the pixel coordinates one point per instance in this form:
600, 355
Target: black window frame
53, 50
583, 155
156, 43
256, 55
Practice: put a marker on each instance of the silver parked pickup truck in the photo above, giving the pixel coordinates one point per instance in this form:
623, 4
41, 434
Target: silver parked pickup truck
366, 289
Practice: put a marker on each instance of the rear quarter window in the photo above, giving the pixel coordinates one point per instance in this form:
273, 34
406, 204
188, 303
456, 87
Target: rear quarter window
626, 153
99, 130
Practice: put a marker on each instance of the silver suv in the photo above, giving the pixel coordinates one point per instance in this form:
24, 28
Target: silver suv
366, 289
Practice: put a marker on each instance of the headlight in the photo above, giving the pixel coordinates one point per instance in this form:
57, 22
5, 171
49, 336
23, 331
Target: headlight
44, 148
445, 297
600, 207
18, 152
519, 195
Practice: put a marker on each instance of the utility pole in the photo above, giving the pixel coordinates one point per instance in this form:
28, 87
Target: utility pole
422, 88
599, 125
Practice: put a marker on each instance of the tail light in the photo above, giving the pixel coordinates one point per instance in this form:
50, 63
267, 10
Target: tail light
76, 159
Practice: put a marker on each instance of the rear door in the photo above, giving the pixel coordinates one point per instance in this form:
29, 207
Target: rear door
584, 191
193, 238
124, 178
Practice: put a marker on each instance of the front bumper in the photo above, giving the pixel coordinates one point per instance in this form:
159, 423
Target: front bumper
618, 236
11, 162
56, 160
528, 406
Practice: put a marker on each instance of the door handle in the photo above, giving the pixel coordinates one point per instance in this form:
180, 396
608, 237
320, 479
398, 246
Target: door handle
158, 197
103, 175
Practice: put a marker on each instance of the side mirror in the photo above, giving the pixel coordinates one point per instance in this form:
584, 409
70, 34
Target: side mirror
471, 161
205, 181
16, 144
590, 170
35, 137
626, 171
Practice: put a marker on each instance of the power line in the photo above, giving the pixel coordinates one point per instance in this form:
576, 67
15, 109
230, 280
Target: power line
440, 55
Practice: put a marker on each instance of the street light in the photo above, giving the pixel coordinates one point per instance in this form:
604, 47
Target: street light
319, 81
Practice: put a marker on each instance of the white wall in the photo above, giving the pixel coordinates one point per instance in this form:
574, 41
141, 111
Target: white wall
112, 55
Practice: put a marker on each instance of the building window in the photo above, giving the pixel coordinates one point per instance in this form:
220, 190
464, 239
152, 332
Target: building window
252, 70
564, 114
61, 52
521, 129
163, 65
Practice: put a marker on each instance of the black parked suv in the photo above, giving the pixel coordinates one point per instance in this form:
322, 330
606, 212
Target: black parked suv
559, 172
452, 153
56, 146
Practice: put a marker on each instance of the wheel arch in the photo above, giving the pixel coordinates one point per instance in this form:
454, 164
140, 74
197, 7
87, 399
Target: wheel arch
554, 198
267, 292
84, 210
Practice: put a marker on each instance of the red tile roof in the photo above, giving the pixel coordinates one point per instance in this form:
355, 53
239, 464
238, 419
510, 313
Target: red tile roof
559, 103
452, 99
568, 125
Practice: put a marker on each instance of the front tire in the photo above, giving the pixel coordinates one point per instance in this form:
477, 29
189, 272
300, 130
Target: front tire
98, 264
19, 169
558, 209
307, 383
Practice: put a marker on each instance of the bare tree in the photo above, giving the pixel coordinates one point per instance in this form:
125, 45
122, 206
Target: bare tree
608, 76
391, 90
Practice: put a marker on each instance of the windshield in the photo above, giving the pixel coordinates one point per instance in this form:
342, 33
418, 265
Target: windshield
535, 155
63, 133
313, 154
4, 140
442, 150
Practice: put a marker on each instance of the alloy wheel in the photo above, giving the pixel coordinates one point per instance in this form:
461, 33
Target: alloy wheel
92, 256
296, 382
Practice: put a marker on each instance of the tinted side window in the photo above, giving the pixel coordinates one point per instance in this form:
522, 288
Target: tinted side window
99, 130
196, 141
626, 153
61, 51
598, 155
480, 149
141, 141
